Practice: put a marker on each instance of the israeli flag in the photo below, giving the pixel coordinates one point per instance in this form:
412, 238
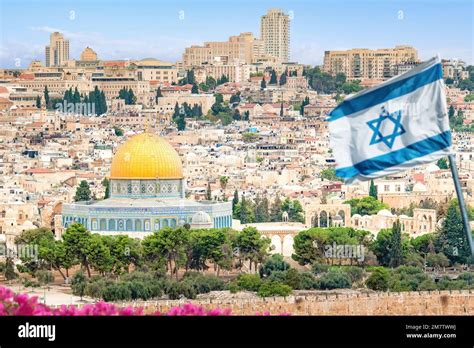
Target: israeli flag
399, 124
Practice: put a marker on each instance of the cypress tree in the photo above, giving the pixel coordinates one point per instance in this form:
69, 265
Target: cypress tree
396, 245
373, 189
235, 201
275, 211
46, 97
209, 192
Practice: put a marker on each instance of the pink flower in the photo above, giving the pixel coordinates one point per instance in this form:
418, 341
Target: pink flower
22, 304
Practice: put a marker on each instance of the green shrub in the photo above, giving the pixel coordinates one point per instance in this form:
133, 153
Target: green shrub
273, 263
355, 273
277, 276
378, 279
413, 259
27, 283
204, 284
44, 277
319, 268
467, 277
270, 288
307, 281
437, 260
233, 288
139, 290
117, 292
292, 278
250, 282
334, 279
427, 284
78, 284
175, 290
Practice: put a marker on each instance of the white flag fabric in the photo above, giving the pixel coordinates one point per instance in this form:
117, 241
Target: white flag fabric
399, 124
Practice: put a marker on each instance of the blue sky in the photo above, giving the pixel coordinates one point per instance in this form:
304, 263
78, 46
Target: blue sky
118, 29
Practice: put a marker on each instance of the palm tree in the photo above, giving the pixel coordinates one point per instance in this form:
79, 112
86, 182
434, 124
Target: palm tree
223, 180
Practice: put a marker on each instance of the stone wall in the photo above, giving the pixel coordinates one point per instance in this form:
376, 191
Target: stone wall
405, 303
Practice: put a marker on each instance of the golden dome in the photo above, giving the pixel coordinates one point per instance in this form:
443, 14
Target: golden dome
146, 156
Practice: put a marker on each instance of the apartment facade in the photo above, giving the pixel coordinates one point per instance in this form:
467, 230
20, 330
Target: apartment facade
363, 63
237, 48
275, 34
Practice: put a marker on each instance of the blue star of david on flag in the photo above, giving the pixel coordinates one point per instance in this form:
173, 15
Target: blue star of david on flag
387, 127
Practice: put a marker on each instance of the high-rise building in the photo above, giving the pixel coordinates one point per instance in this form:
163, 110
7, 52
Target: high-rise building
275, 34
57, 53
363, 63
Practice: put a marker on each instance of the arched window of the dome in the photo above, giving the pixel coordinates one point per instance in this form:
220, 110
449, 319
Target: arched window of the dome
138, 225
111, 225
129, 225
103, 224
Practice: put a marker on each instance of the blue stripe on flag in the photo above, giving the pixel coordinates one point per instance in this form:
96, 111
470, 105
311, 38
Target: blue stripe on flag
387, 92
412, 151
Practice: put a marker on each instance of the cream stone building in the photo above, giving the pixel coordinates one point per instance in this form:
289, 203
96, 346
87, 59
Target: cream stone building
88, 55
243, 47
363, 63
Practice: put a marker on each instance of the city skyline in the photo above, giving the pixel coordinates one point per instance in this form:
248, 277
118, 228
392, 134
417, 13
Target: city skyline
166, 29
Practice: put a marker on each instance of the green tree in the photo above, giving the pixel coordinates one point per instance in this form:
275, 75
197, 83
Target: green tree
38, 102
366, 206
252, 246
223, 181
209, 191
77, 241
235, 201
283, 79
9, 272
83, 192
106, 184
396, 245
451, 239
329, 174
442, 163
159, 94
263, 84
118, 132
246, 211
98, 255
275, 210
273, 78
294, 210
373, 190
46, 97
261, 209
170, 244
180, 123
195, 89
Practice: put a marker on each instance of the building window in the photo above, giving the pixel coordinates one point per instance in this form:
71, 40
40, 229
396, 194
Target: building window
111, 225
147, 225
94, 224
129, 225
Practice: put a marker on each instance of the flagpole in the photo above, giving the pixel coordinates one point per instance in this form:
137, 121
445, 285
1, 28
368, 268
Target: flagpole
462, 205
